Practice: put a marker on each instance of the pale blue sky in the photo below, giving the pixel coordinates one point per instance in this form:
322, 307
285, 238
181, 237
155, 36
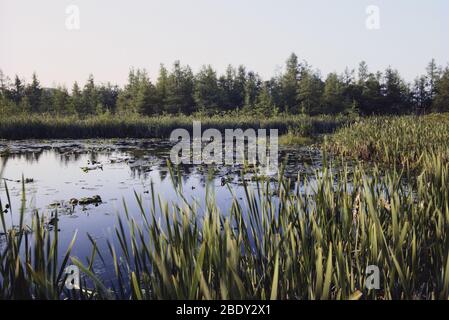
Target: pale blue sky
116, 35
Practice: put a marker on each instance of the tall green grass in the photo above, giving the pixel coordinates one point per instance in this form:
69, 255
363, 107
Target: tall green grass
315, 244
393, 140
132, 126
278, 242
29, 266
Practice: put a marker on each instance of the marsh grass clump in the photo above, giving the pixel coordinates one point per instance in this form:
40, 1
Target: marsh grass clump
277, 243
29, 265
135, 126
309, 238
391, 140
315, 245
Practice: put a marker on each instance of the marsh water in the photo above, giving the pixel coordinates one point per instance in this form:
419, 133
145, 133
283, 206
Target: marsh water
88, 183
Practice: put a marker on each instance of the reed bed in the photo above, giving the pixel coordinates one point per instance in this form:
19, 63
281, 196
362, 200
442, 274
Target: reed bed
132, 126
277, 243
393, 140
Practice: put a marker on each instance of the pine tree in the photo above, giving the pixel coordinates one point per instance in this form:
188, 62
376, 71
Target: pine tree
276, 91
61, 102
351, 92
226, 84
77, 99
290, 83
46, 101
127, 97
207, 97
265, 105
310, 90
161, 87
18, 91
395, 93
420, 95
34, 94
332, 99
363, 73
433, 75
180, 90
90, 98
238, 92
145, 101
108, 96
441, 100
371, 98
252, 87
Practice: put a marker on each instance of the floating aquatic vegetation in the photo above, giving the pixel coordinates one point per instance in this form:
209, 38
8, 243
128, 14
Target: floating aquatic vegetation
92, 167
90, 200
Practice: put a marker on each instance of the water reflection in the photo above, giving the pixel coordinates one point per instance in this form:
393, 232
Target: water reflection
128, 167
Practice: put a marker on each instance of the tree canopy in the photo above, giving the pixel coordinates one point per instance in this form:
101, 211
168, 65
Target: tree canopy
299, 89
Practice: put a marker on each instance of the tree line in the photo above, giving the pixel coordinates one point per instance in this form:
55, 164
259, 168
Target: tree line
299, 89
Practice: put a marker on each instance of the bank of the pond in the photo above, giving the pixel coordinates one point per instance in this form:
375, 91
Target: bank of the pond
400, 140
274, 241
110, 126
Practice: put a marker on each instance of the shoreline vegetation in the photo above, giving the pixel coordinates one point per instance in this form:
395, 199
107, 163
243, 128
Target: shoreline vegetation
298, 89
315, 245
396, 141
135, 126
282, 244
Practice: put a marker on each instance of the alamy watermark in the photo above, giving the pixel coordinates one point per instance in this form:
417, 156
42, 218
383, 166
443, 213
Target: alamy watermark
250, 146
372, 281
372, 21
72, 21
72, 281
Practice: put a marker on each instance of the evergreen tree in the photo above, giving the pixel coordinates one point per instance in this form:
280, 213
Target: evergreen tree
46, 101
139, 95
24, 105
310, 90
433, 75
34, 93
441, 101
297, 90
363, 73
161, 88
18, 91
108, 96
62, 102
207, 97
238, 92
145, 99
127, 97
371, 98
351, 92
332, 99
180, 90
90, 98
395, 93
265, 105
77, 99
252, 87
226, 84
275, 92
420, 97
290, 83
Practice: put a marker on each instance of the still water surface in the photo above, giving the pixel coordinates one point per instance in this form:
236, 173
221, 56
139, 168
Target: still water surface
58, 171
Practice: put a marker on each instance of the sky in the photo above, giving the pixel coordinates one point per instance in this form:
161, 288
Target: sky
66, 40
